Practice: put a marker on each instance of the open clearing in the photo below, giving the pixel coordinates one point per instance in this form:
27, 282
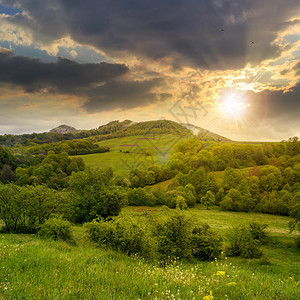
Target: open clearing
127, 153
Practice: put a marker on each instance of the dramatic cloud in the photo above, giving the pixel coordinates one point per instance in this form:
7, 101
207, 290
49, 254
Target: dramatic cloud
125, 94
65, 76
219, 34
278, 104
102, 85
156, 53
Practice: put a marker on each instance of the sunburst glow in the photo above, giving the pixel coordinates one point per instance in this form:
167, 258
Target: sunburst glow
233, 106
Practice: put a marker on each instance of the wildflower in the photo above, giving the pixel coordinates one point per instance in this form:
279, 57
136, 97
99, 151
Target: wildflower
231, 283
209, 297
220, 273
291, 279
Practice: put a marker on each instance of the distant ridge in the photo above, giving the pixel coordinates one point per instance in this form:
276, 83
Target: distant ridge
113, 129
63, 129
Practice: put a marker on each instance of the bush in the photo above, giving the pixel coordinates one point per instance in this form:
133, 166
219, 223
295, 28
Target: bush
180, 203
160, 196
257, 231
57, 229
241, 243
25, 209
174, 236
206, 243
122, 234
140, 197
171, 238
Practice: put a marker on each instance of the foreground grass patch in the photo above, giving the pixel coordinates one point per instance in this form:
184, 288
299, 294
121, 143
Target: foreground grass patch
31, 268
36, 269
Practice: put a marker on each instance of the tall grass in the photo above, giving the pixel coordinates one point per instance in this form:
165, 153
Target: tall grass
32, 268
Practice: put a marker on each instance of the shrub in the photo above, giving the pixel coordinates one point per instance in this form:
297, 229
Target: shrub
257, 231
140, 197
180, 203
206, 243
160, 196
174, 236
25, 209
57, 229
166, 239
241, 243
122, 234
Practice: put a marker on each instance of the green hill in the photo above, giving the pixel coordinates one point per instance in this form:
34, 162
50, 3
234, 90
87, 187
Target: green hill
140, 145
113, 129
137, 151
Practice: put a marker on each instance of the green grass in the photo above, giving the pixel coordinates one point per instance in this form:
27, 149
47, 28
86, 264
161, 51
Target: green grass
163, 185
220, 220
31, 268
144, 151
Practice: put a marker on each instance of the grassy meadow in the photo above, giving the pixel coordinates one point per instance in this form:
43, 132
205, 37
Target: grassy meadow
132, 152
32, 268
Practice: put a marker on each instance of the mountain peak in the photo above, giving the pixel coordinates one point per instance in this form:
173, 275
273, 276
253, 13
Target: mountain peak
63, 129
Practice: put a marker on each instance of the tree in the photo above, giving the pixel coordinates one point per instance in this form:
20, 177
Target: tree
7, 174
25, 209
232, 178
150, 178
94, 195
140, 197
232, 200
208, 199
198, 180
220, 196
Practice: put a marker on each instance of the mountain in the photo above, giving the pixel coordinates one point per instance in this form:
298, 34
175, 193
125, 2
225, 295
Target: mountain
113, 129
63, 129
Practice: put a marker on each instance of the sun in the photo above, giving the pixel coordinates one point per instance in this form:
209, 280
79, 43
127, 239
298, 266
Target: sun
233, 106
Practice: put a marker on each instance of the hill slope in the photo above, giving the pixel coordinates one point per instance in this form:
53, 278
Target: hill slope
136, 151
204, 134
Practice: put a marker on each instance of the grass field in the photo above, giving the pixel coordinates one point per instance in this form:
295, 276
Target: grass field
32, 268
143, 151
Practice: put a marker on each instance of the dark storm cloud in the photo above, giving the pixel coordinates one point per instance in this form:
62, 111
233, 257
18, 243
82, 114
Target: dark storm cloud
275, 105
124, 94
101, 84
215, 34
64, 76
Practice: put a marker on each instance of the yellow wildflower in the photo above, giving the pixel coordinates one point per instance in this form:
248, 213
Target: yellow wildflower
209, 297
231, 283
220, 273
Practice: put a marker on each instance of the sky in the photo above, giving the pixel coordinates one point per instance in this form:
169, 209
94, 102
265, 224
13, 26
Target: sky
230, 66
